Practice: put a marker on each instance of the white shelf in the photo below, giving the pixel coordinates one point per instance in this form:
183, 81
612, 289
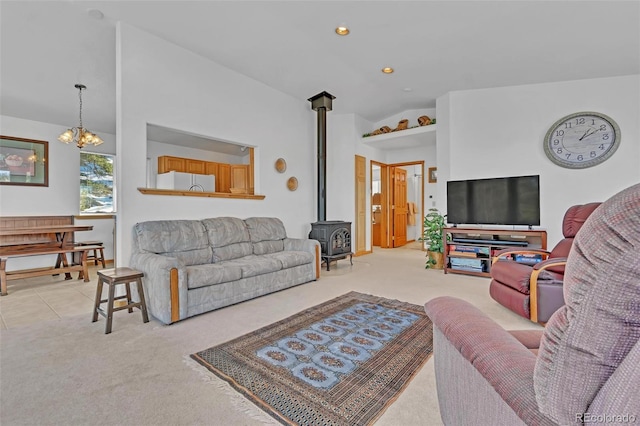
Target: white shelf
417, 136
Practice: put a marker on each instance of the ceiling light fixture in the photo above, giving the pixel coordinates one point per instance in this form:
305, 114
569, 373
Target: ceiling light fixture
342, 30
79, 135
95, 14
387, 70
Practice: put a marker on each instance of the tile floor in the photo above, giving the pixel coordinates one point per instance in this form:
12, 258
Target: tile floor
39, 299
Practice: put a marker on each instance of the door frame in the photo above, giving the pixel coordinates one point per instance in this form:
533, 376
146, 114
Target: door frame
385, 183
384, 197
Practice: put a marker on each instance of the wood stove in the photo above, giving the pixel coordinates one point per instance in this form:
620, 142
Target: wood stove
334, 237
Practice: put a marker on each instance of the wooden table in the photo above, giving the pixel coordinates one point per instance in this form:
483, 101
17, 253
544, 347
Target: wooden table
42, 240
64, 233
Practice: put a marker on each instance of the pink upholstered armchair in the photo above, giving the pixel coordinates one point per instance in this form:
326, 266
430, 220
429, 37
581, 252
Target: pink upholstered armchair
535, 291
581, 368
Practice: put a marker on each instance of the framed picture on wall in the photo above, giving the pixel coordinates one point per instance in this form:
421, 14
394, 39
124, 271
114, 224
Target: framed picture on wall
433, 174
24, 161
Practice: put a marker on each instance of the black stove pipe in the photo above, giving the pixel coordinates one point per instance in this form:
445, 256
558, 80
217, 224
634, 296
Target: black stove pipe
321, 103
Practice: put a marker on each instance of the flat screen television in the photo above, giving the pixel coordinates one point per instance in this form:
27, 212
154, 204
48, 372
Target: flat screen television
498, 201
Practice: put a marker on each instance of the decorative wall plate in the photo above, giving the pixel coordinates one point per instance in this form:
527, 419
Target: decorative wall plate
292, 183
281, 165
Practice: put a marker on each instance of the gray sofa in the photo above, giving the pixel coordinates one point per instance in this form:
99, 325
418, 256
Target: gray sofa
195, 266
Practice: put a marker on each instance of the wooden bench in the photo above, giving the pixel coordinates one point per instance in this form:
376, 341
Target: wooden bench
62, 265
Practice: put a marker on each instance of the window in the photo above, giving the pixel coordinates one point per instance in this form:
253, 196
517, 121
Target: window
96, 183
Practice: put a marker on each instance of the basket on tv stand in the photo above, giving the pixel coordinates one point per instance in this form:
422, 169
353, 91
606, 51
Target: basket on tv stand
477, 246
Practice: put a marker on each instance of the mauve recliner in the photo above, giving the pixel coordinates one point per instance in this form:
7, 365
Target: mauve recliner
535, 291
581, 368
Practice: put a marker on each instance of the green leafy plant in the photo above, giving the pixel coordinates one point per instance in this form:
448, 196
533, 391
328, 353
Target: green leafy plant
434, 223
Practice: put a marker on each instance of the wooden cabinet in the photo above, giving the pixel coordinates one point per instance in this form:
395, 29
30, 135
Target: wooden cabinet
195, 166
167, 163
223, 178
211, 168
227, 175
171, 164
240, 176
471, 250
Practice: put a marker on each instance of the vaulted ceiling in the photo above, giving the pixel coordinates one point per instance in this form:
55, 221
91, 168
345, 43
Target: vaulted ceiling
434, 46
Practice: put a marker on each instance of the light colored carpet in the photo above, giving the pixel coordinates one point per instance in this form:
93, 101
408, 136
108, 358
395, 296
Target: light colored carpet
67, 371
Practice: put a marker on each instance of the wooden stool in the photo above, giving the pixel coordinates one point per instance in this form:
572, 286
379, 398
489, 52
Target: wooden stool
113, 277
95, 256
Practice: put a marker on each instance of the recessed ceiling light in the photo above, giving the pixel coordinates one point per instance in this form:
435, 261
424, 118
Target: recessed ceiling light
342, 30
387, 70
407, 89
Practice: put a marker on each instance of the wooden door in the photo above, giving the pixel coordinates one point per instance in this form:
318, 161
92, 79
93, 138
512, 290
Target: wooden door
223, 179
399, 206
171, 164
239, 176
211, 168
195, 166
361, 206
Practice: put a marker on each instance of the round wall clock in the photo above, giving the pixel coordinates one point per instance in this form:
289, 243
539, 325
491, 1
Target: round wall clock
582, 140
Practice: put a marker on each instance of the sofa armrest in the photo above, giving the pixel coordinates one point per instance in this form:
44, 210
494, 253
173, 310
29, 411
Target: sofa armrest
165, 285
513, 250
546, 264
308, 245
545, 296
504, 363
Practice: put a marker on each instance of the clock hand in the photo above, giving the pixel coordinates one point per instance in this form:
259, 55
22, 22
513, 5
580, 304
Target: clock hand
589, 133
583, 135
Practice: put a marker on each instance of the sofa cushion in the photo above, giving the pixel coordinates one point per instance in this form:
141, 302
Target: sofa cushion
266, 247
253, 265
228, 237
211, 274
267, 234
585, 340
290, 259
184, 239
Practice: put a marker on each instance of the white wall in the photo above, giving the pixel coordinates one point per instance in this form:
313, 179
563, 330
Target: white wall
499, 132
161, 83
62, 196
344, 141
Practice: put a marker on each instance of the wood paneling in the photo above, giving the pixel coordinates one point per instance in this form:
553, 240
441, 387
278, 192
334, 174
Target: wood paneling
15, 222
361, 205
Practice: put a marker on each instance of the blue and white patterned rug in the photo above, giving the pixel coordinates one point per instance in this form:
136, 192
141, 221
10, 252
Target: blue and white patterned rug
339, 363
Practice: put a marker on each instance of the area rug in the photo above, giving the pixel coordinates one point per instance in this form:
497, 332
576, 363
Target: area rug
342, 362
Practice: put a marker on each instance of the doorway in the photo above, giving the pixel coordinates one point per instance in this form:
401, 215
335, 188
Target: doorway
397, 203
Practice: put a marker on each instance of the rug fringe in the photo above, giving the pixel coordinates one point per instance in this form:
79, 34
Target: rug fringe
239, 402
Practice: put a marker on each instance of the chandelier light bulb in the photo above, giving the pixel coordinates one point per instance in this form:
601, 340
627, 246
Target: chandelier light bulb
80, 135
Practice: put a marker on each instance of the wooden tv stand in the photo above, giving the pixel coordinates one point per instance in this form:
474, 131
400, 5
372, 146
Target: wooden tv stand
470, 250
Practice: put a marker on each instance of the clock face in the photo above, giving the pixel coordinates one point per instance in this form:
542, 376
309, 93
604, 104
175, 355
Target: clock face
582, 140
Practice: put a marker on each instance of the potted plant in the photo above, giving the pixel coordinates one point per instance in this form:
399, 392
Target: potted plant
434, 223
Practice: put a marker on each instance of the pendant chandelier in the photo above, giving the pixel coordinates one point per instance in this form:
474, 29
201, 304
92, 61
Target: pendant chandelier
79, 135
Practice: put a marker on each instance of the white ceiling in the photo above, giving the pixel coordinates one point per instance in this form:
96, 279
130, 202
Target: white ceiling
435, 47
